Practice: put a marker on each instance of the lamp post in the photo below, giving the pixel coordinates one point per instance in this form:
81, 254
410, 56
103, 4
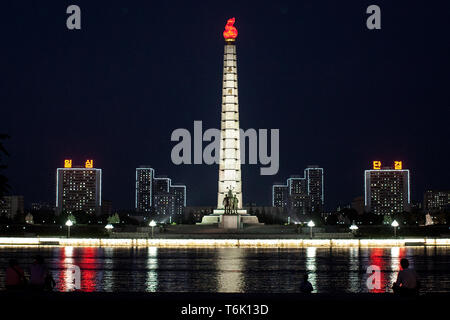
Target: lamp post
69, 223
395, 225
109, 227
152, 224
353, 227
310, 225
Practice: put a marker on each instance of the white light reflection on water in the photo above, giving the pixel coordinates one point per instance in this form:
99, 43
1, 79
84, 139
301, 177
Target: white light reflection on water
395, 267
311, 266
354, 281
151, 282
66, 277
107, 276
230, 263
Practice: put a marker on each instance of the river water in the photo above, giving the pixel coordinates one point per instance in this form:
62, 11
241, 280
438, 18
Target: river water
233, 269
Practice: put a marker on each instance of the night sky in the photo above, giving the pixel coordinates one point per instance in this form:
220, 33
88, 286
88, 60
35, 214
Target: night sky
114, 91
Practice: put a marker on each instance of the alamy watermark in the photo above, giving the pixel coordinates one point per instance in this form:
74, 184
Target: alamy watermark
373, 282
258, 147
74, 277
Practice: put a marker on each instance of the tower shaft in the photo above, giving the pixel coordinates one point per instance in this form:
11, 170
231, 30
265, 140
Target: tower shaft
230, 157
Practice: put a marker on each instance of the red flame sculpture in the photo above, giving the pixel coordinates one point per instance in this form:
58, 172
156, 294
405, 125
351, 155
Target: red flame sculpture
230, 32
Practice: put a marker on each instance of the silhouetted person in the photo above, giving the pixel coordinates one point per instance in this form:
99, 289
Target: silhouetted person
407, 281
14, 277
40, 277
306, 286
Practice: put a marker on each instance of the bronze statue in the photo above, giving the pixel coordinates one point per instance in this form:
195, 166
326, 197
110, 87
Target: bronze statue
230, 203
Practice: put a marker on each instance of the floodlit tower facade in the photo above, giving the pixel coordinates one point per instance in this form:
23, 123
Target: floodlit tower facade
230, 159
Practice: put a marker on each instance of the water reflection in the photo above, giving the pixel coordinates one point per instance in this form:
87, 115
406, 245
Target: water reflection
378, 259
311, 266
354, 282
395, 267
151, 283
64, 278
229, 267
108, 270
88, 265
232, 269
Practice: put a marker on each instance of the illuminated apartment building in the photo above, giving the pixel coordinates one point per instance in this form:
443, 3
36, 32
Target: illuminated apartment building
314, 180
301, 194
387, 189
144, 185
78, 189
436, 201
158, 194
279, 195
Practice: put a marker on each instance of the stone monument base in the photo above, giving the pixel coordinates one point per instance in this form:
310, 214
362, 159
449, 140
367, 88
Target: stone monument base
229, 221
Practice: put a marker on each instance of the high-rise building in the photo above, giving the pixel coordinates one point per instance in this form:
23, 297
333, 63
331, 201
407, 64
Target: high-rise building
158, 194
387, 189
301, 194
78, 189
280, 195
436, 201
144, 185
298, 198
11, 205
178, 198
314, 179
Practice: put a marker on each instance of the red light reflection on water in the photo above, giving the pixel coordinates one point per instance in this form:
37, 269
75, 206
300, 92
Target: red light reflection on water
378, 257
87, 265
85, 258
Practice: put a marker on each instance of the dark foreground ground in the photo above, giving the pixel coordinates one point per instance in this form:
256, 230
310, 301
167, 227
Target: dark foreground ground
171, 305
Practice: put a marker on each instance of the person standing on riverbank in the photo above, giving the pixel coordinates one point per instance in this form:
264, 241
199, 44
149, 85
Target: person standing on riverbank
407, 281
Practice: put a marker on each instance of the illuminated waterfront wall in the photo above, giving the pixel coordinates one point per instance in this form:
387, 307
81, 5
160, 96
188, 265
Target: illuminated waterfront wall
246, 243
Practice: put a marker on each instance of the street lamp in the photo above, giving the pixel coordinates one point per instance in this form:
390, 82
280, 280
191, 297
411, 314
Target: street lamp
69, 223
395, 225
311, 225
152, 224
353, 227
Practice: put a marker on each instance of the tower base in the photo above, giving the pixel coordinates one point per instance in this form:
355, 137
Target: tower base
230, 221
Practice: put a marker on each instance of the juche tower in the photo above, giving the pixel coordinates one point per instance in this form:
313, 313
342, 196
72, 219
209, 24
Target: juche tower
230, 151
230, 159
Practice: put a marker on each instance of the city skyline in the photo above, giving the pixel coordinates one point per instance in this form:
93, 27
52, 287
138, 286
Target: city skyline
146, 178
352, 97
